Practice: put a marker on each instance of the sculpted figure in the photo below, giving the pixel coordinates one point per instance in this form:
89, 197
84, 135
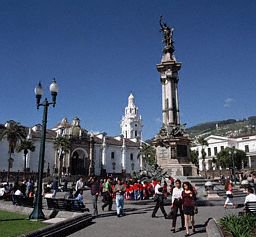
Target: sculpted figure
167, 32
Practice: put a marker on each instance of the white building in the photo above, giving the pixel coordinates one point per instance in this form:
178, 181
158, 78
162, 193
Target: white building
131, 124
90, 153
218, 143
34, 134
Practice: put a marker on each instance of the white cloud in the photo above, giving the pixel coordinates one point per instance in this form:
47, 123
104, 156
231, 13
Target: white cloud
158, 120
228, 102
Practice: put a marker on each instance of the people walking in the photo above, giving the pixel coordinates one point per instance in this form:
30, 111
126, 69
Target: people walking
79, 186
55, 187
188, 203
177, 205
159, 199
107, 189
229, 193
119, 190
94, 184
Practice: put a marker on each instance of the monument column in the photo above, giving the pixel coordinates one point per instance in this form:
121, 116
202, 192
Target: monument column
172, 143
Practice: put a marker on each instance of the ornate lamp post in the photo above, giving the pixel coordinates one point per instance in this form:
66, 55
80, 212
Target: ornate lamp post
37, 212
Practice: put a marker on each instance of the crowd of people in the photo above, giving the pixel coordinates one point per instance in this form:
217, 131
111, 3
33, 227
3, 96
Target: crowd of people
182, 195
23, 188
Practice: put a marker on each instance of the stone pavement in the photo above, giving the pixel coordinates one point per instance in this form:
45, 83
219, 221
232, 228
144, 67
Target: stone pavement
138, 221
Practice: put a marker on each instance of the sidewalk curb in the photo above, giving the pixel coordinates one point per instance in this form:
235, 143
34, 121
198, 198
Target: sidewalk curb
213, 230
62, 228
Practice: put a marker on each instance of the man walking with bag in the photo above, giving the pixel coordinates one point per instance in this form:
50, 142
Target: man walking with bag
159, 199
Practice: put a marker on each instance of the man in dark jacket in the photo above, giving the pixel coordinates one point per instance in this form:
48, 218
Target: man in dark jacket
94, 184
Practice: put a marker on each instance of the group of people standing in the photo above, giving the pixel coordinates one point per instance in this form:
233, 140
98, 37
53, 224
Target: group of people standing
108, 190
183, 200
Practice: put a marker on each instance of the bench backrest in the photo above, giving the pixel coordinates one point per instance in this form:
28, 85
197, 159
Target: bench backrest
64, 204
23, 201
250, 207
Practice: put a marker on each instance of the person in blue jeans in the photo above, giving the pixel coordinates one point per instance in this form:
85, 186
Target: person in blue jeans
119, 190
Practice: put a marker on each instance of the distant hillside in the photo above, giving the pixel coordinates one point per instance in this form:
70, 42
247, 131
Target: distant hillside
229, 127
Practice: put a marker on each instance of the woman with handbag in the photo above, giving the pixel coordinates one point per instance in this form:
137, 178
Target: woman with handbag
188, 203
229, 193
177, 205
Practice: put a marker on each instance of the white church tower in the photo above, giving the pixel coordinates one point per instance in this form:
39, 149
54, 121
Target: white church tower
131, 123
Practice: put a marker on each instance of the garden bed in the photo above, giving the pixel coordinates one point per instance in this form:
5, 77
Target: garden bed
238, 226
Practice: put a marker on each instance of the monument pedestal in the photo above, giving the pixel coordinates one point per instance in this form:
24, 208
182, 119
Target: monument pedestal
173, 154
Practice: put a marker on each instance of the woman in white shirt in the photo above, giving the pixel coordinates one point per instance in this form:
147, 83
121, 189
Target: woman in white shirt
177, 205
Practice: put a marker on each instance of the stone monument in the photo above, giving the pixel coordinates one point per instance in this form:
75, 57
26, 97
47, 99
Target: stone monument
172, 143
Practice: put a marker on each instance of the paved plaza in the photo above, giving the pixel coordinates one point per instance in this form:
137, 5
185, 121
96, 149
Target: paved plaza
138, 221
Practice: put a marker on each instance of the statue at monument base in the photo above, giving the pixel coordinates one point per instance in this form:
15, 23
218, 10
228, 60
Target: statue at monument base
173, 151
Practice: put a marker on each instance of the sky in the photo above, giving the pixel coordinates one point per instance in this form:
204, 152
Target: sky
100, 51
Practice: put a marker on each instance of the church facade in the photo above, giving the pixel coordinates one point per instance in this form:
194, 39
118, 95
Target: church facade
89, 154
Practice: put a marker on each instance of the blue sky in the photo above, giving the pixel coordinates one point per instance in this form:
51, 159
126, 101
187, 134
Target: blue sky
100, 51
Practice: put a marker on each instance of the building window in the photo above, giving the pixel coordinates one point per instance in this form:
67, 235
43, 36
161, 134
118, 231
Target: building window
209, 152
215, 151
113, 166
222, 148
132, 165
136, 125
125, 134
131, 156
246, 148
136, 133
112, 155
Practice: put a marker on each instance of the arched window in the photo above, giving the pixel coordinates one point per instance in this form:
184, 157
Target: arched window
112, 155
131, 156
132, 165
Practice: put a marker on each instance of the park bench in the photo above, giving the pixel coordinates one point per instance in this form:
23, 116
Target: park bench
23, 201
250, 207
65, 204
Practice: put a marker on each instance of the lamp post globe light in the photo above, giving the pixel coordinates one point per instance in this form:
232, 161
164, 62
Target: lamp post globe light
37, 213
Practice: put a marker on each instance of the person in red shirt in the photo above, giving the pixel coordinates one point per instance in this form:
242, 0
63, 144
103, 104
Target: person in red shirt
136, 190
188, 203
141, 190
154, 182
131, 191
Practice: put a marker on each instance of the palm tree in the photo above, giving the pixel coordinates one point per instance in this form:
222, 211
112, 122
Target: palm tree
62, 145
25, 146
203, 143
14, 133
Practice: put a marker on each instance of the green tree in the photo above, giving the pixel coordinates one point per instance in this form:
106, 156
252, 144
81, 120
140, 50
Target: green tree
226, 157
25, 146
63, 146
203, 143
14, 133
194, 157
148, 154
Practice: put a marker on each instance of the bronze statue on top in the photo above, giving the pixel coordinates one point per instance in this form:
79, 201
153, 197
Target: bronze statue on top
168, 35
